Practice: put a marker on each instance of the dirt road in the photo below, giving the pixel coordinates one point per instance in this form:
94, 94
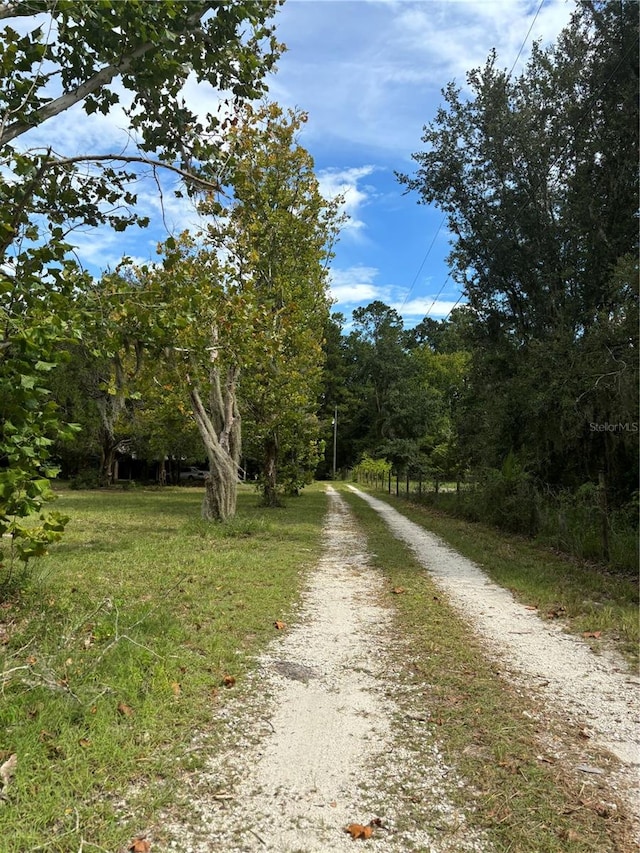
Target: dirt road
310, 751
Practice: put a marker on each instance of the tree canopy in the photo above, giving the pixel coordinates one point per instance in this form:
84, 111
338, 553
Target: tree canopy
55, 55
538, 178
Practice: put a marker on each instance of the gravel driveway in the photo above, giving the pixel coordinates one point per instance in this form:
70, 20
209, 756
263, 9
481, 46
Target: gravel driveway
310, 748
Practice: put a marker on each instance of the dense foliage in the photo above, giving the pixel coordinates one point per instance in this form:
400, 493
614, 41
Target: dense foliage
54, 55
529, 391
538, 179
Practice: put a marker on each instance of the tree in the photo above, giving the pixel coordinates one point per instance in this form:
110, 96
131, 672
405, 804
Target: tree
83, 49
281, 233
538, 178
201, 312
254, 289
389, 399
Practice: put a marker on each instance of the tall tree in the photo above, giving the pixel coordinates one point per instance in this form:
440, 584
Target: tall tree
281, 232
538, 178
255, 287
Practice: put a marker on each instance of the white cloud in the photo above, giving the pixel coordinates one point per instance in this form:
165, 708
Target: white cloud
453, 36
425, 306
355, 285
345, 182
371, 74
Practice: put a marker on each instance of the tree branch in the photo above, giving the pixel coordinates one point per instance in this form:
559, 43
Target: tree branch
69, 99
133, 158
100, 79
8, 10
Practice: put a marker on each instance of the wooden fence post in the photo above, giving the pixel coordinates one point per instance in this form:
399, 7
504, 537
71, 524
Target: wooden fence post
602, 489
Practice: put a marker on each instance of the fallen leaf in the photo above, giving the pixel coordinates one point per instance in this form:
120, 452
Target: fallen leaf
279, 626
84, 742
7, 769
357, 830
333, 805
229, 680
175, 688
592, 635
398, 590
571, 835
556, 612
140, 845
125, 710
530, 607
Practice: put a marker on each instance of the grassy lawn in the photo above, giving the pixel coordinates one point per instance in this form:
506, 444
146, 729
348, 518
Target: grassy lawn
115, 648
526, 797
117, 645
586, 596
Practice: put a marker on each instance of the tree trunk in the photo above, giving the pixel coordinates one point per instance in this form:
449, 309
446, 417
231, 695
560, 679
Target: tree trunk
107, 458
220, 432
269, 491
220, 491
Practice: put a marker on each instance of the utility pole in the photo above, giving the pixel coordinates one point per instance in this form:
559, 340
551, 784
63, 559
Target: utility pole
335, 440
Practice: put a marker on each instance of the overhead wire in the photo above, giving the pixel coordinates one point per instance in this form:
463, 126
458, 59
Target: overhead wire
443, 220
563, 152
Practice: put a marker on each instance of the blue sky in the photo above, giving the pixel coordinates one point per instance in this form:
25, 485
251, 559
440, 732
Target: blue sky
369, 73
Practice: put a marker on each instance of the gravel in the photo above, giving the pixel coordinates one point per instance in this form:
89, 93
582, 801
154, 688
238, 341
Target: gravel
321, 736
311, 749
591, 691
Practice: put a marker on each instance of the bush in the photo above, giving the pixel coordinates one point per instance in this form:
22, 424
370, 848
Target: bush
570, 521
86, 479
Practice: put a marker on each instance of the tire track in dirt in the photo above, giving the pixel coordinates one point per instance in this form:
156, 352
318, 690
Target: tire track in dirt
311, 747
576, 684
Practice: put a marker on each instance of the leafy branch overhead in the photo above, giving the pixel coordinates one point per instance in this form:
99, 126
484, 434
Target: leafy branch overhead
54, 56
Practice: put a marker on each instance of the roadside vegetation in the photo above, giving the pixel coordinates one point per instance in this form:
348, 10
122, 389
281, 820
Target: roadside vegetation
525, 798
588, 597
115, 648
114, 645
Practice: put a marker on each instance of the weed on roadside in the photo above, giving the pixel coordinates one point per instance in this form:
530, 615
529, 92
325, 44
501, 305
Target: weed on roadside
588, 597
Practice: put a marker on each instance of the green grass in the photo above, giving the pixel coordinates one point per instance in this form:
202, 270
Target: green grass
488, 731
589, 597
115, 649
117, 645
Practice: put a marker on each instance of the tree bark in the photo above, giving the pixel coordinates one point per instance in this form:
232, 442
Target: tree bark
269, 491
96, 82
220, 432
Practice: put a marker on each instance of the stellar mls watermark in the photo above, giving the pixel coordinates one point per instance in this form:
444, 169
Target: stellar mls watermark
618, 426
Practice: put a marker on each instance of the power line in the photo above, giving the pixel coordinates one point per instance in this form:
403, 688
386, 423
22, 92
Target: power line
428, 252
424, 260
535, 18
565, 148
